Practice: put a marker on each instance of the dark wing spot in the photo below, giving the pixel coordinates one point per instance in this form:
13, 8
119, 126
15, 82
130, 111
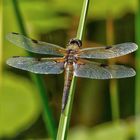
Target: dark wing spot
35, 41
56, 61
108, 47
103, 65
15, 56
15, 33
38, 59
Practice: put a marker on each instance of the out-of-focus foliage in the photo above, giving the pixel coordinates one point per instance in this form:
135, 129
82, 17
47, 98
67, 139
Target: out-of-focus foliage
46, 16
9, 25
98, 8
107, 131
19, 105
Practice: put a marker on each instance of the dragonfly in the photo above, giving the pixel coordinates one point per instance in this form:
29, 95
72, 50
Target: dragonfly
74, 60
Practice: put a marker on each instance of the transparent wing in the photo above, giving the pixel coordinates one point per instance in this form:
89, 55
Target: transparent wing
35, 45
108, 51
95, 70
40, 66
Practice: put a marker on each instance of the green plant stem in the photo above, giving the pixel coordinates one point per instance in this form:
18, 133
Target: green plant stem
113, 86
82, 21
47, 114
65, 115
137, 91
1, 39
114, 100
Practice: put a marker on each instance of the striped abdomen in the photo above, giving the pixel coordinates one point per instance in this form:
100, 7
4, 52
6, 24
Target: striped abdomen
67, 84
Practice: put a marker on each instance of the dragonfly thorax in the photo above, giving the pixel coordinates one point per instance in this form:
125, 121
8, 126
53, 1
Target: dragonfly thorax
71, 57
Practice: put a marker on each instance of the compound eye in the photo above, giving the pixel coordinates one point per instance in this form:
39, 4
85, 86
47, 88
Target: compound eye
76, 41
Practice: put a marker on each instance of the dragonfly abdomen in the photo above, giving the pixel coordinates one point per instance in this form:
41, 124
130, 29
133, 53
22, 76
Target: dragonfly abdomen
67, 84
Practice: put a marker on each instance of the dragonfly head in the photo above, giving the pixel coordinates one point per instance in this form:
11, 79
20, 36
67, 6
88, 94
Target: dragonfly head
75, 41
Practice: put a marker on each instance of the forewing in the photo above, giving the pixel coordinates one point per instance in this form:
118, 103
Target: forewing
39, 66
108, 51
35, 46
96, 70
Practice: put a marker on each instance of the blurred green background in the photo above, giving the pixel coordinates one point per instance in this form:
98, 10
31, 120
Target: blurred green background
102, 109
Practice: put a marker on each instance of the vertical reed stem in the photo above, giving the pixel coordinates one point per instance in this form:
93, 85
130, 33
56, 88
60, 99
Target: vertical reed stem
113, 86
1, 39
137, 85
65, 115
47, 114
